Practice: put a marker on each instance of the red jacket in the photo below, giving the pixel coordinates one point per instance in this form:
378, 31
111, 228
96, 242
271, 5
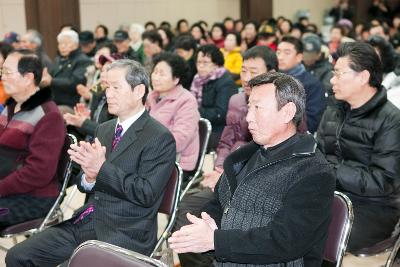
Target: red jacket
30, 145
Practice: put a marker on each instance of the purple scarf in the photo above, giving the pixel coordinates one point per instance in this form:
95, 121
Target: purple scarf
198, 82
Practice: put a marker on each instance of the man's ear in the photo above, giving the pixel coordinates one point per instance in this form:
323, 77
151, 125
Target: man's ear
289, 111
139, 91
29, 78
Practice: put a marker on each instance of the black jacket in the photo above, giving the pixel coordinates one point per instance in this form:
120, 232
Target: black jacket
278, 211
322, 70
363, 146
215, 99
67, 73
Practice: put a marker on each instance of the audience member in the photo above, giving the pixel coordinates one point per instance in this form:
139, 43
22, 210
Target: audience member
5, 49
212, 86
182, 26
232, 56
217, 35
359, 138
32, 40
87, 43
13, 39
175, 107
126, 169
135, 35
272, 204
32, 134
185, 47
101, 35
68, 71
152, 45
122, 42
257, 60
316, 62
290, 56
198, 34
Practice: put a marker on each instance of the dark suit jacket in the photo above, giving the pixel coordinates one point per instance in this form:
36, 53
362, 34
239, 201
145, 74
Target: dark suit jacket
131, 183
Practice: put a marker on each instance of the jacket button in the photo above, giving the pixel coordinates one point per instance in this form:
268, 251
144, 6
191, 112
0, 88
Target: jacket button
96, 198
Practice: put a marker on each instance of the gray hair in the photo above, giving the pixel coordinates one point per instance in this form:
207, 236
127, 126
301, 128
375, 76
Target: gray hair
135, 74
34, 37
287, 89
136, 27
73, 35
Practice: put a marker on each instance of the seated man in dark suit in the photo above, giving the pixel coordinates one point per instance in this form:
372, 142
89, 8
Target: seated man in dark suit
126, 169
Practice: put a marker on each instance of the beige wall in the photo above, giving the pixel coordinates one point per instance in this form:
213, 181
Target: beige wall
113, 13
12, 16
288, 8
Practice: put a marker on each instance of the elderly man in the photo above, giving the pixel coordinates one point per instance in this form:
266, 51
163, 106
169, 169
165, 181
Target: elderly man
68, 71
32, 134
126, 169
360, 138
32, 40
272, 203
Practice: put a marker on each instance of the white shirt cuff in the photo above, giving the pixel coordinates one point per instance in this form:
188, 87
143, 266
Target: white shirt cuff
85, 184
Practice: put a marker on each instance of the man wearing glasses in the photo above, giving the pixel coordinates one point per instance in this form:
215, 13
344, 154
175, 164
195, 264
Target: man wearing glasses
32, 133
360, 138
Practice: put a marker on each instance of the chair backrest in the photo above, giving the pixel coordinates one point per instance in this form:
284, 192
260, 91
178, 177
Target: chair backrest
172, 191
204, 134
95, 253
63, 174
169, 204
339, 229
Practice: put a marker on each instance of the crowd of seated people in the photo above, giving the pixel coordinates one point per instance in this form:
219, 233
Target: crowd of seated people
268, 89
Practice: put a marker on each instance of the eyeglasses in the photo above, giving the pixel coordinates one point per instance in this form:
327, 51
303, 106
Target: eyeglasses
339, 74
6, 72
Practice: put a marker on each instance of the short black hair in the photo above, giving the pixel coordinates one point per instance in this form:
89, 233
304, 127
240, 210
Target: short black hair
386, 51
198, 25
298, 44
179, 68
104, 27
165, 25
109, 45
237, 36
185, 42
265, 53
219, 25
150, 23
29, 62
287, 89
213, 52
5, 49
254, 22
228, 18
362, 56
178, 24
154, 37
170, 35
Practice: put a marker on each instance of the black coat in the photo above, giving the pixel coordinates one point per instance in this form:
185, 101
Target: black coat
363, 146
67, 73
278, 211
215, 99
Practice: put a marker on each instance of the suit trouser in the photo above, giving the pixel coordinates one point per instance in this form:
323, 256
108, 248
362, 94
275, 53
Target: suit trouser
193, 202
53, 246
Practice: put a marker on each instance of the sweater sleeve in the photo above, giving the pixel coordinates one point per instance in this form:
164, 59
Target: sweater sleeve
295, 229
41, 163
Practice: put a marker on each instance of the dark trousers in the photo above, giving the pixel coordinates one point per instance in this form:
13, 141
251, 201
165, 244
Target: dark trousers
372, 223
53, 246
22, 208
192, 203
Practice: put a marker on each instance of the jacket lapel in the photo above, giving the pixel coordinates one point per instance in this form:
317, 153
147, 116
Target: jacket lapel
129, 136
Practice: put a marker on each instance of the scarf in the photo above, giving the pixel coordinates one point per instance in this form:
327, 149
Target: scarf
296, 71
198, 82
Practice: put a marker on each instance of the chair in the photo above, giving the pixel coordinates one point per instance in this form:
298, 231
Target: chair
391, 244
204, 132
339, 229
169, 204
95, 253
54, 215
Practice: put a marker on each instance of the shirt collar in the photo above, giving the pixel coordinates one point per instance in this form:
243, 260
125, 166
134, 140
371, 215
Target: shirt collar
128, 122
